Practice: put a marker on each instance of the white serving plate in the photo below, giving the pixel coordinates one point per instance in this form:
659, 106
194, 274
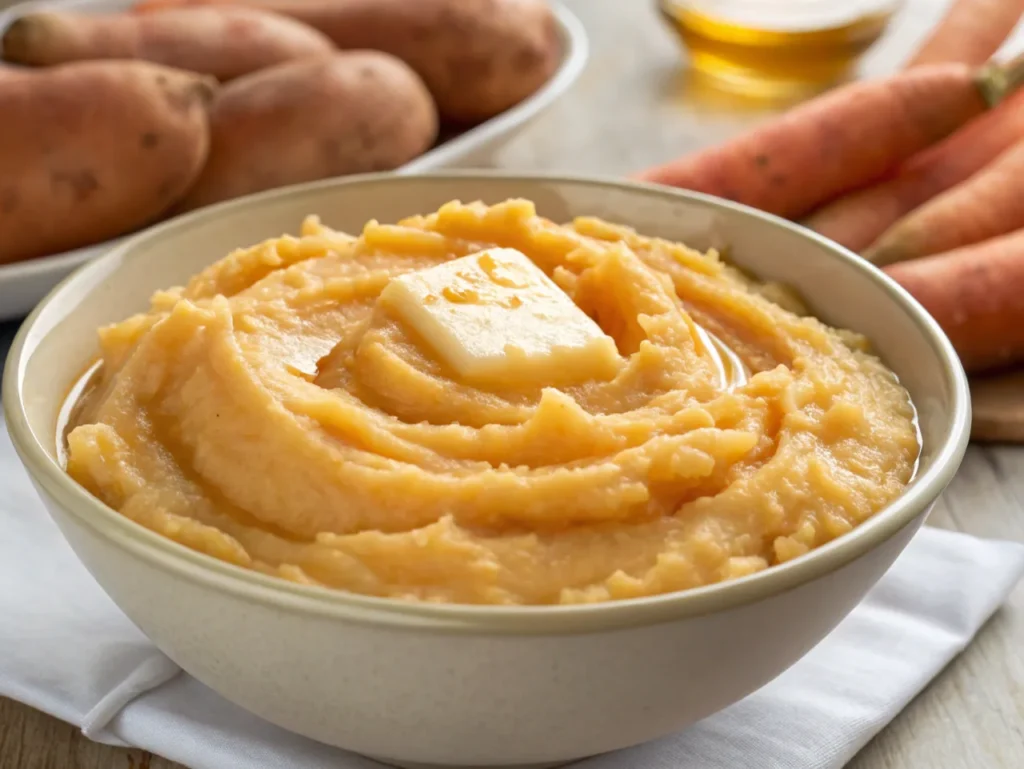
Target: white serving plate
23, 284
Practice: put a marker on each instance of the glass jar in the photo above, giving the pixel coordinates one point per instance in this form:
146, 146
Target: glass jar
777, 47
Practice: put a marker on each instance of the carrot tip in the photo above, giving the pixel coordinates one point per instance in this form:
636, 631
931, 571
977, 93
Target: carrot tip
882, 255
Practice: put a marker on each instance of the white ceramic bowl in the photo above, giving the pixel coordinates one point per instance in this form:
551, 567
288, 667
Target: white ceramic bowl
22, 284
459, 685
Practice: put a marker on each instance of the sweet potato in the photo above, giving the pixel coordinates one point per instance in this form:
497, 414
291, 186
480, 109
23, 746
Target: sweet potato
93, 150
477, 57
225, 42
837, 142
975, 293
348, 113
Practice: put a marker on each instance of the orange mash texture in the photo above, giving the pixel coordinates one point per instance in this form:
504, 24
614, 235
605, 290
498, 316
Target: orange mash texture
273, 414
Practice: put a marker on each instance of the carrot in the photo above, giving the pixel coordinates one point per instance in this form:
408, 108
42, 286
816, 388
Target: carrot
970, 32
859, 219
986, 205
145, 6
976, 294
835, 143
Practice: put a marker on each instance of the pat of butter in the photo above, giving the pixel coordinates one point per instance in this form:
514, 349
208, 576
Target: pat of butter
494, 315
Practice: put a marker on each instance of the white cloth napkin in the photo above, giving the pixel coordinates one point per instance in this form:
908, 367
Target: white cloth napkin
65, 648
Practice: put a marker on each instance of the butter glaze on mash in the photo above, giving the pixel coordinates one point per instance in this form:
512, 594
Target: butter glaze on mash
273, 414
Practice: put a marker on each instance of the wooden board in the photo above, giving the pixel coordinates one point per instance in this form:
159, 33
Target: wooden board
998, 405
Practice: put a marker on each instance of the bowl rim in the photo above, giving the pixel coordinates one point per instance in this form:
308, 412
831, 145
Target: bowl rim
282, 594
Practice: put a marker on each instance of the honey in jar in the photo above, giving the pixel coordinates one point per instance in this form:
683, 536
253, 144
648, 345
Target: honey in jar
777, 47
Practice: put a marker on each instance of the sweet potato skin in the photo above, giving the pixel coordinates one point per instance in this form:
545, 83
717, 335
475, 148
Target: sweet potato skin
223, 41
348, 113
477, 57
94, 150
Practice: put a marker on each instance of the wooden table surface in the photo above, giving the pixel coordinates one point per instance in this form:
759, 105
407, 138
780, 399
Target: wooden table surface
633, 107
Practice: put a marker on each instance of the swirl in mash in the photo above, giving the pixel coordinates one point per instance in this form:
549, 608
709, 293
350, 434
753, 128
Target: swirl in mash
274, 414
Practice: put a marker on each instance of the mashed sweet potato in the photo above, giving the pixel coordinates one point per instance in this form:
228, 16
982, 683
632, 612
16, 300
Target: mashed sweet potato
273, 413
